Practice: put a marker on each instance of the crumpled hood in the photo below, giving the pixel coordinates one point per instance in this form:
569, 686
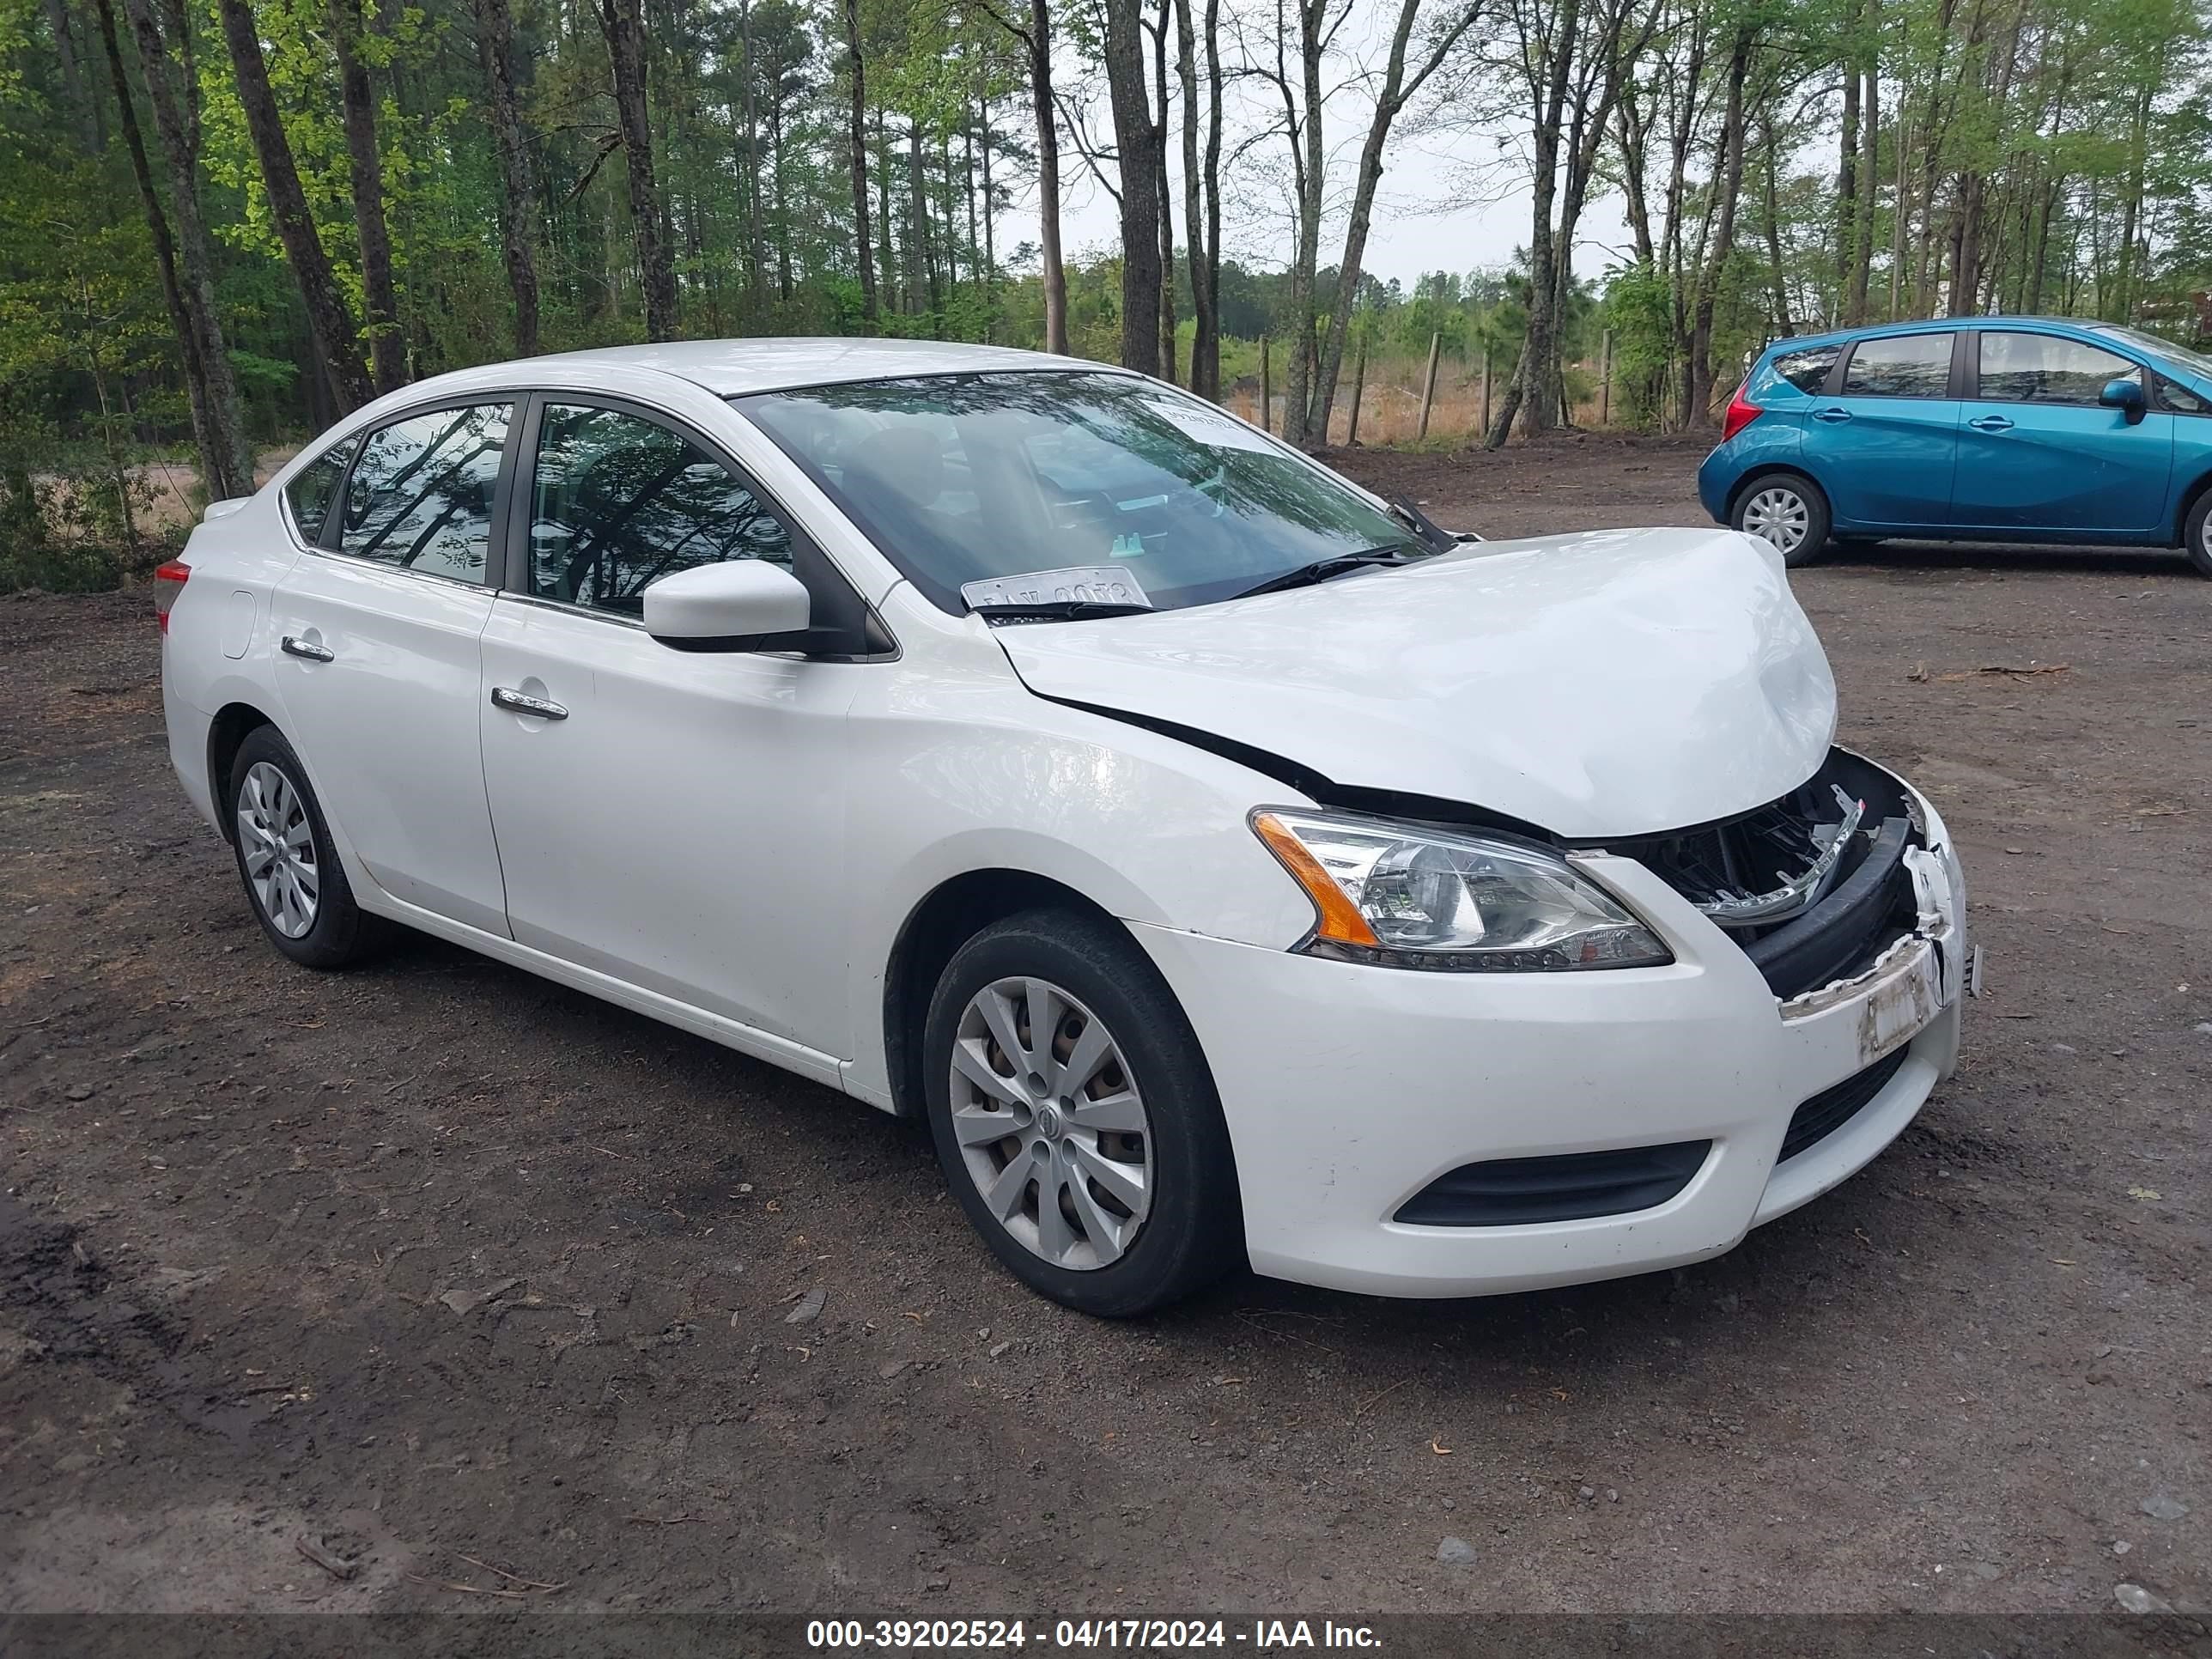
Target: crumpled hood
1616, 683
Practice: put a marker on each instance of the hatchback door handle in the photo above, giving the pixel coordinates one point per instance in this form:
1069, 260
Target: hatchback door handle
1990, 424
1831, 414
515, 704
307, 650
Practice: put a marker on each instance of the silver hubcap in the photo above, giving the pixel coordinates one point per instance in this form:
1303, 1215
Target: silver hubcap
279, 848
1777, 515
1050, 1124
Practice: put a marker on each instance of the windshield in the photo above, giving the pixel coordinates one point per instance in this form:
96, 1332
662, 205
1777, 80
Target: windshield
2179, 355
963, 478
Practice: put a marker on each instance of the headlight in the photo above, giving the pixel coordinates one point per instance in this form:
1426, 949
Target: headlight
1406, 896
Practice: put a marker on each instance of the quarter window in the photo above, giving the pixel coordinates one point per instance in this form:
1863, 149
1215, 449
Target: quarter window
1906, 366
2043, 368
620, 502
1807, 370
420, 496
312, 487
2179, 399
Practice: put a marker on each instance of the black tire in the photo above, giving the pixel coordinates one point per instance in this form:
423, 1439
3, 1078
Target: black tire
340, 933
1809, 499
2197, 534
1192, 1231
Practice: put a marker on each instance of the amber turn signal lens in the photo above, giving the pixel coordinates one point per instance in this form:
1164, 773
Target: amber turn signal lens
1341, 920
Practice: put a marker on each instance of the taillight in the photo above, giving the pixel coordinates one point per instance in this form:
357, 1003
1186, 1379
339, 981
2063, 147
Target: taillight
1741, 412
169, 581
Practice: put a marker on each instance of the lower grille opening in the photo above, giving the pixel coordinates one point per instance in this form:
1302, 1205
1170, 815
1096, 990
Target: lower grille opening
1516, 1191
1833, 1107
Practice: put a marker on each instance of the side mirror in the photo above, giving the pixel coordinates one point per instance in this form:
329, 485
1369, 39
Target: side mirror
2124, 395
739, 605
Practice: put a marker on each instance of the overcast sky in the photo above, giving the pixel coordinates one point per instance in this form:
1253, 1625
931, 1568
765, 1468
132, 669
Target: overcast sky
1454, 196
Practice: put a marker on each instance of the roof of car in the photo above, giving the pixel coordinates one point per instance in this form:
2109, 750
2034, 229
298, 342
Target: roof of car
1932, 325
730, 368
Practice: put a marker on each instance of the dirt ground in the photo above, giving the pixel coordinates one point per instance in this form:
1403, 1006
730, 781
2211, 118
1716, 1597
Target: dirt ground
471, 1281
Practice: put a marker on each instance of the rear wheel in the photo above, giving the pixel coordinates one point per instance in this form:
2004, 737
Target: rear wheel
1075, 1118
290, 872
2196, 535
1787, 511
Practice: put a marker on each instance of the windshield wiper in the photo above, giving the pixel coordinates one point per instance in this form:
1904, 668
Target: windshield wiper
1335, 565
1057, 611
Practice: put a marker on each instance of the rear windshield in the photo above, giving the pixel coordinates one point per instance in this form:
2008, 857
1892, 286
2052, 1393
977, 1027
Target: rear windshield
965, 478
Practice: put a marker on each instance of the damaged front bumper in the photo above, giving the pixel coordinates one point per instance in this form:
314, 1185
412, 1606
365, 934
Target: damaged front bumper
1351, 1091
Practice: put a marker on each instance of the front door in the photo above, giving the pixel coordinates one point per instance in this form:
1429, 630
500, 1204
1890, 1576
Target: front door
377, 666
2038, 452
673, 818
1885, 447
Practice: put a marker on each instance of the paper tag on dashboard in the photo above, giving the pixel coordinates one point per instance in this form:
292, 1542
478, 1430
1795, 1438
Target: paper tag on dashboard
1078, 584
1212, 427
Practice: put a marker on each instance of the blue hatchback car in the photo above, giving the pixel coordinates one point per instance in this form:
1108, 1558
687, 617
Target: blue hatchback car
1970, 428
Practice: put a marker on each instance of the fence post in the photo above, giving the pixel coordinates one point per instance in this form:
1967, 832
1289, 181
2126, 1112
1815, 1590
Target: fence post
1358, 383
1429, 385
1486, 391
1266, 393
1604, 380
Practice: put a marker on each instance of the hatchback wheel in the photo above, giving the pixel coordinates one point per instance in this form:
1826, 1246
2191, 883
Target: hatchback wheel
2196, 535
1787, 511
1075, 1118
291, 873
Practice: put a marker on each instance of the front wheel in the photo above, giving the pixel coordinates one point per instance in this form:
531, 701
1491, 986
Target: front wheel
1075, 1118
1787, 511
2196, 535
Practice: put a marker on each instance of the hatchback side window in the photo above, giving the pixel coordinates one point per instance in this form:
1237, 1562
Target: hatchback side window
313, 489
420, 496
619, 501
1807, 370
2043, 368
1907, 366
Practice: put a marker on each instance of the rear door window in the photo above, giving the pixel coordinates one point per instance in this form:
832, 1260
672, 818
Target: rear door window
1905, 366
421, 495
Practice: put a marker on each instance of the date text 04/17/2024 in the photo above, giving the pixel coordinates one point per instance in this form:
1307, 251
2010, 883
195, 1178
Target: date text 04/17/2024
1168, 1635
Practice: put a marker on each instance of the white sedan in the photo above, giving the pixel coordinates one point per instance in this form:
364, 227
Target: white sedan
1228, 864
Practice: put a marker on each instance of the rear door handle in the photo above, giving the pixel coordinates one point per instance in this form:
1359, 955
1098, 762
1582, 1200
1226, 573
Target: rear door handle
306, 650
1831, 414
1990, 424
515, 704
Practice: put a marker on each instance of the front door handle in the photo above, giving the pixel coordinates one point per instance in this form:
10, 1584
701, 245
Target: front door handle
1831, 414
516, 703
306, 650
1990, 424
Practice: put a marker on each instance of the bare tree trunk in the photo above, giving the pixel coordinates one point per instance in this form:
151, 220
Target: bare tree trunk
1869, 181
1777, 287
518, 192
917, 215
624, 24
1205, 342
77, 88
1136, 138
219, 471
752, 181
387, 346
329, 319
1533, 394
857, 135
1847, 168
1396, 90
1167, 198
1728, 185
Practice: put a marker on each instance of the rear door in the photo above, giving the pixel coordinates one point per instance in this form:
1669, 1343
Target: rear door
1884, 446
2036, 451
376, 628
